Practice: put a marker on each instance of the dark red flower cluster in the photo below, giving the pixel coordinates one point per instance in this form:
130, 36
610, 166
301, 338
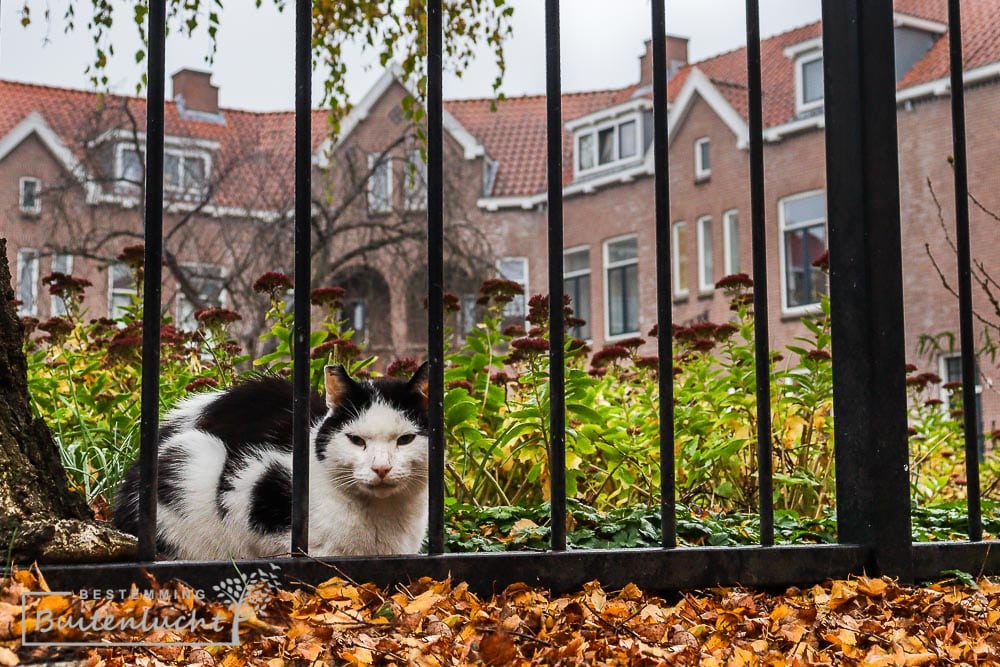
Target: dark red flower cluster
124, 347
932, 402
134, 256
272, 283
910, 368
530, 344
65, 286
57, 327
741, 301
341, 348
920, 382
952, 386
652, 362
513, 330
493, 287
202, 383
631, 343
329, 297
500, 378
463, 384
734, 283
823, 262
818, 355
404, 367
703, 344
608, 354
30, 324
216, 317
577, 347
725, 331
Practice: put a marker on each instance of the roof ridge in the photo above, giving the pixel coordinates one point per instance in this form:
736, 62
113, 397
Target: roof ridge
599, 91
765, 39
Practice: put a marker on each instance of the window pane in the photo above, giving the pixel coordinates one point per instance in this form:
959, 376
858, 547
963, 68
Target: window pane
623, 251
706, 260
121, 277
623, 297
194, 173
131, 167
171, 170
577, 260
585, 152
805, 209
468, 313
27, 282
704, 158
626, 139
378, 185
680, 251
631, 299
61, 264
516, 269
606, 139
29, 194
733, 243
812, 81
416, 182
578, 288
804, 283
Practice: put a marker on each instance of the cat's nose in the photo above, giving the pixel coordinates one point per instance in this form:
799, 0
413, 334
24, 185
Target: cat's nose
381, 469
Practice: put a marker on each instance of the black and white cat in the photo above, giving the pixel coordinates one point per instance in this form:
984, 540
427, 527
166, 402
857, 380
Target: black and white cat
225, 461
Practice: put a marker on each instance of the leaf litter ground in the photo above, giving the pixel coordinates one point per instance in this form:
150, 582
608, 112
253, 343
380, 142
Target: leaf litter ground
865, 621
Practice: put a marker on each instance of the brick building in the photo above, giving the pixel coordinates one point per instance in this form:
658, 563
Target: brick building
231, 184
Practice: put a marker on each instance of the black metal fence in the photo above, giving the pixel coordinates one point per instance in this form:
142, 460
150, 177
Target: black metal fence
873, 502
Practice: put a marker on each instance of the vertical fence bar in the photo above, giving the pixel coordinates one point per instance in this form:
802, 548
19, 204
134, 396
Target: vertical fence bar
758, 225
866, 285
435, 279
664, 311
303, 276
963, 242
557, 371
152, 285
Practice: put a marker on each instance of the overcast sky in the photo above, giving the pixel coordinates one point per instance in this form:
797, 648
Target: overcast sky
601, 40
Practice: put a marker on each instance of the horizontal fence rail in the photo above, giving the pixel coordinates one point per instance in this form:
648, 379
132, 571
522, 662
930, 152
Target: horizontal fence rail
873, 501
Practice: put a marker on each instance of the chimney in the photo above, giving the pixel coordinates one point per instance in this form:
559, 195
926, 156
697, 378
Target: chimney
196, 91
677, 57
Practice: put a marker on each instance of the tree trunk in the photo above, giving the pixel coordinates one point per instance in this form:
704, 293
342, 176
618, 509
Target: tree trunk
40, 518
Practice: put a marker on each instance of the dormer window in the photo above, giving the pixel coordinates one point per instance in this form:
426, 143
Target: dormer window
809, 80
807, 59
606, 144
184, 171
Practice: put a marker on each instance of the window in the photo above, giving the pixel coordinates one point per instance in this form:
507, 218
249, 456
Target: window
208, 280
183, 171
516, 269
679, 252
607, 144
576, 281
706, 255
621, 266
702, 159
130, 166
809, 82
468, 313
802, 219
121, 289
61, 263
951, 371
355, 313
415, 182
29, 200
379, 184
731, 241
27, 281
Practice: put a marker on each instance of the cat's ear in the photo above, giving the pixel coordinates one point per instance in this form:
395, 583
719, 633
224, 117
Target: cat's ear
420, 383
338, 383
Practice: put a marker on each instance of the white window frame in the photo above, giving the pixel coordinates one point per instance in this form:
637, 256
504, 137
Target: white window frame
56, 304
179, 295
183, 154
675, 259
29, 210
706, 283
943, 393
112, 290
608, 265
782, 229
700, 171
524, 261
23, 255
385, 163
801, 61
577, 274
596, 130
729, 259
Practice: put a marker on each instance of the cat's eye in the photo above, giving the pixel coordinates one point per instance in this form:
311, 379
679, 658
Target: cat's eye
405, 439
356, 439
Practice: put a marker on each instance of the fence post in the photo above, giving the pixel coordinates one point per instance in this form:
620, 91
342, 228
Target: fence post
866, 289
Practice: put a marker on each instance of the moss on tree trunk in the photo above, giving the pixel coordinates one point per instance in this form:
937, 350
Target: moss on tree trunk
40, 518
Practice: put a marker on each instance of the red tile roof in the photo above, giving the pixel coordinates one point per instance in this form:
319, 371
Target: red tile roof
514, 135
253, 164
